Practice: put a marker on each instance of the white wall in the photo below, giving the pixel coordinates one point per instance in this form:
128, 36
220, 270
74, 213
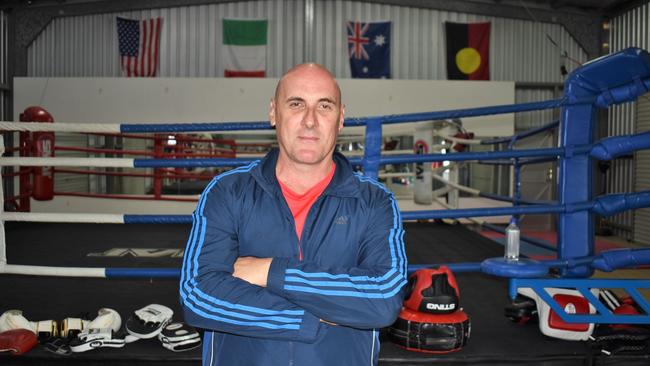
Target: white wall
184, 100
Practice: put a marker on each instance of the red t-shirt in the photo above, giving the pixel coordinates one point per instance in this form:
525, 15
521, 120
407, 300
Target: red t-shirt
299, 204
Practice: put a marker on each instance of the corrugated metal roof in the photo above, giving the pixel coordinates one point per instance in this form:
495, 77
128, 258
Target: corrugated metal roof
191, 41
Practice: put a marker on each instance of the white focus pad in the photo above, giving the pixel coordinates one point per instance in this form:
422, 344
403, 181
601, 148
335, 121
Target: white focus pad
179, 337
94, 338
572, 302
149, 321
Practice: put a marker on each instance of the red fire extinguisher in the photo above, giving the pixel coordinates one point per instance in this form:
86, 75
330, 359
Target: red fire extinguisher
43, 147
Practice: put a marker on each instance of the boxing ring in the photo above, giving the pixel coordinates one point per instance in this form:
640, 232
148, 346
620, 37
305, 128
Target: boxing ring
614, 79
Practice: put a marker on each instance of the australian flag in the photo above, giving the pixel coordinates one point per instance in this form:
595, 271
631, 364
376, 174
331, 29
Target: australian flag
369, 49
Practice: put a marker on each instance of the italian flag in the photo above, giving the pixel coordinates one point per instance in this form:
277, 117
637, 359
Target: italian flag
244, 48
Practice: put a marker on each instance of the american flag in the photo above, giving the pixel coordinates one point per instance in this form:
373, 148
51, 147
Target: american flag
139, 46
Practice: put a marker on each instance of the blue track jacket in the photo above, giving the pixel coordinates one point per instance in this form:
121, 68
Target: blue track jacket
353, 270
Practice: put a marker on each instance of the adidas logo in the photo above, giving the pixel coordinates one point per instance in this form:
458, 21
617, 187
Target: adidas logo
341, 220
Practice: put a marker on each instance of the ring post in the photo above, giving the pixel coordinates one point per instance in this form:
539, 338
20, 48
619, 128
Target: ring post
3, 246
577, 127
158, 154
372, 153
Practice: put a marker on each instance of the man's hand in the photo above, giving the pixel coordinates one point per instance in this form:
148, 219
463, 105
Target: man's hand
252, 270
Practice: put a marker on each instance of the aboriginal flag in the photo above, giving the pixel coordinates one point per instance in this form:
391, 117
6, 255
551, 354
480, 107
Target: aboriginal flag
468, 51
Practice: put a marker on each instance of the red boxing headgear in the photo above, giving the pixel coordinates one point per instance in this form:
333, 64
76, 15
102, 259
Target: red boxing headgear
433, 291
36, 114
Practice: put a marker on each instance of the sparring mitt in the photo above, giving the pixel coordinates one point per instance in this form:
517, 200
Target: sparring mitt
106, 318
93, 338
149, 321
17, 341
572, 302
45, 329
433, 291
430, 333
14, 319
70, 327
179, 337
99, 333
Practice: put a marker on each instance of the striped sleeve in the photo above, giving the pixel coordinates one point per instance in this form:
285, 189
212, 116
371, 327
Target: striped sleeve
212, 298
367, 296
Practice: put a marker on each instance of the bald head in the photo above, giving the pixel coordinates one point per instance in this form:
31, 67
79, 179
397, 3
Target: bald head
307, 71
308, 115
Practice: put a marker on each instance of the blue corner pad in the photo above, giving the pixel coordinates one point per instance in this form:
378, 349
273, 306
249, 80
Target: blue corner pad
521, 268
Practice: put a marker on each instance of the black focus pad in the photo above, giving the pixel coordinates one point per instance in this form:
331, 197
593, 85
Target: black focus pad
424, 332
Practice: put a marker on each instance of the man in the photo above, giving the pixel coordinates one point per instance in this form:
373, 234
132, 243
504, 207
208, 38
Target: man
295, 259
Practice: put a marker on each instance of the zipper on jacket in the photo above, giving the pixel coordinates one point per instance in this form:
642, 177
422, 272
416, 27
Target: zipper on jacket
289, 217
290, 353
307, 226
299, 244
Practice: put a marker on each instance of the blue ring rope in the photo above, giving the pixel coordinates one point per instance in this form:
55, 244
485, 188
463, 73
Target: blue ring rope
604, 205
607, 261
522, 135
604, 99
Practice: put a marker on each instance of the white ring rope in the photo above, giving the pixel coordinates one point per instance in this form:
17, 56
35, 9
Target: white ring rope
52, 271
96, 162
63, 217
389, 152
61, 127
457, 186
396, 175
97, 128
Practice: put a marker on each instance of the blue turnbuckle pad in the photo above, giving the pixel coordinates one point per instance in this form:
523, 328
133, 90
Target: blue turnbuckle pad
521, 268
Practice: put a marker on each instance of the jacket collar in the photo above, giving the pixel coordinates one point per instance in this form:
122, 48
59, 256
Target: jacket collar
343, 184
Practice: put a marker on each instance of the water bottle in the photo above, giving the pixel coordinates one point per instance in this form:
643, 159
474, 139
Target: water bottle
512, 241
